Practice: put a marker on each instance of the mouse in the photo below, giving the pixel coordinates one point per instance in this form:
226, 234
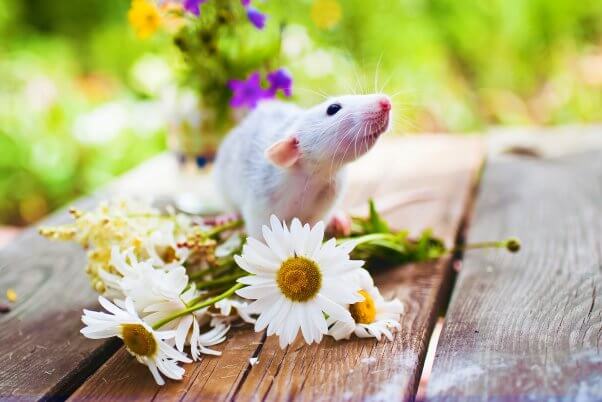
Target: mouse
291, 162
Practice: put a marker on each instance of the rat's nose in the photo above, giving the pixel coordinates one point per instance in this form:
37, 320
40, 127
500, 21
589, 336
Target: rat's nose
385, 104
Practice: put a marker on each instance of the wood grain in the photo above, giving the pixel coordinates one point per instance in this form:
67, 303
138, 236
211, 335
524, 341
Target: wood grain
42, 354
352, 370
529, 326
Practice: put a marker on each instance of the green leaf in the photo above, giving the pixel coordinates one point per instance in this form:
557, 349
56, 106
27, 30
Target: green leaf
379, 225
381, 247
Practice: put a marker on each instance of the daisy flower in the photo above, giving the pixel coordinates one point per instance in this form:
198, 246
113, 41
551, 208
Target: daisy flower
226, 306
199, 342
163, 249
160, 293
156, 293
373, 316
143, 283
296, 280
145, 344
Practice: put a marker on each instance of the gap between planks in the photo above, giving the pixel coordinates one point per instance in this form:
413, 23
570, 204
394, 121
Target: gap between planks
350, 370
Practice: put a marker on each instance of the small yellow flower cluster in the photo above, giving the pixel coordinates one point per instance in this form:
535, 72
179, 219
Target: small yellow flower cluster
202, 249
145, 17
127, 224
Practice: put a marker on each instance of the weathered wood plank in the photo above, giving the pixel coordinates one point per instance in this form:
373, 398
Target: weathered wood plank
353, 369
41, 352
529, 326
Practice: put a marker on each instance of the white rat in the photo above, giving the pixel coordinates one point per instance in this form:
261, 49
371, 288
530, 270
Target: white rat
289, 161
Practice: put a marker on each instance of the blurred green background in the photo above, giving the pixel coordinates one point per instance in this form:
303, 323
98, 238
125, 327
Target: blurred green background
78, 90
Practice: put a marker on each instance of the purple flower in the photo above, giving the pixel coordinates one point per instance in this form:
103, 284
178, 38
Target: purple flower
248, 93
246, 3
193, 6
280, 79
256, 18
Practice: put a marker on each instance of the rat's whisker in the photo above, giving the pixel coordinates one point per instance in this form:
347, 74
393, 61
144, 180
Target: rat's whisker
358, 80
376, 73
402, 92
313, 91
403, 121
338, 144
344, 138
386, 83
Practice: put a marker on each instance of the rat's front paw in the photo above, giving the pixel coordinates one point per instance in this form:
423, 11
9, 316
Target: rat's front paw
339, 225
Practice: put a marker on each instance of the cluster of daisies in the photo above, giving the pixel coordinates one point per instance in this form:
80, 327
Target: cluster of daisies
172, 285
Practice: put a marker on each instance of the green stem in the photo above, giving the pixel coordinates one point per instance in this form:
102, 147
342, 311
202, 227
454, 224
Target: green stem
222, 228
199, 306
483, 244
200, 274
366, 238
224, 262
512, 244
206, 295
220, 281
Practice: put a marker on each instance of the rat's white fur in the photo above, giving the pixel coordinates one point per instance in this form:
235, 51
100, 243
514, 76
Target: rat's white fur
309, 189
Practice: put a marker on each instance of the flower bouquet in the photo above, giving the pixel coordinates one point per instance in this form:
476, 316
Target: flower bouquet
172, 284
228, 59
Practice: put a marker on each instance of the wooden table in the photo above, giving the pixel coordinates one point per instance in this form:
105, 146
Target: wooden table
517, 327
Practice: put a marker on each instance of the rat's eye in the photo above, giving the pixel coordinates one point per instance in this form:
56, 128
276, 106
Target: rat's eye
332, 109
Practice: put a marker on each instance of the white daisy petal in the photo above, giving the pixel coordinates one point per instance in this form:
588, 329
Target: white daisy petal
194, 340
276, 246
333, 309
277, 324
341, 330
256, 291
270, 307
153, 369
299, 234
182, 332
255, 280
316, 236
257, 261
110, 307
263, 250
387, 333
306, 329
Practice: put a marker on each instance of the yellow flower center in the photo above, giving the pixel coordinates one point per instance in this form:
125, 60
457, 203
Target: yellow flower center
299, 279
364, 312
138, 340
170, 255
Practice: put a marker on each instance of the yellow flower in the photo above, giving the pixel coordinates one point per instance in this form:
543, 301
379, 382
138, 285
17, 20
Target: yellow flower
326, 13
144, 17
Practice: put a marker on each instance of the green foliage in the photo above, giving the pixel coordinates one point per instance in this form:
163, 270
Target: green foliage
380, 246
222, 45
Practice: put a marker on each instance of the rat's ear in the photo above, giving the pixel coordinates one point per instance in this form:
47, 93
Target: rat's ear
284, 153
